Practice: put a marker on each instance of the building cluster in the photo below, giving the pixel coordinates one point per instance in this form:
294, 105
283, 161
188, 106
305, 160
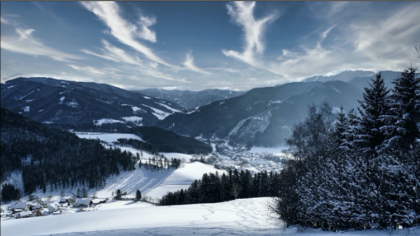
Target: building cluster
22, 209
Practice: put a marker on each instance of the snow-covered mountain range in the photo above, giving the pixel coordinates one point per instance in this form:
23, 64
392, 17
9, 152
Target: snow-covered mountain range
191, 99
57, 101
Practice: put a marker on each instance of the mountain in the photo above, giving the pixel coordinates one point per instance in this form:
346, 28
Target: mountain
364, 81
191, 99
67, 102
343, 76
261, 116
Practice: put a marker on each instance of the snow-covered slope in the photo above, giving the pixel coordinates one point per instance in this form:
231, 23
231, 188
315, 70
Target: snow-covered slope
238, 217
182, 178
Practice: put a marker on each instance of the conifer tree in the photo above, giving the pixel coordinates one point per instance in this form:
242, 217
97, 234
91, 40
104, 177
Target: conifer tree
402, 121
138, 195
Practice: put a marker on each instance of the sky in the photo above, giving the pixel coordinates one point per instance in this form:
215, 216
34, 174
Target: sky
204, 45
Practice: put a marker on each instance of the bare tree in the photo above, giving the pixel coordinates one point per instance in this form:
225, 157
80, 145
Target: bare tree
236, 189
416, 48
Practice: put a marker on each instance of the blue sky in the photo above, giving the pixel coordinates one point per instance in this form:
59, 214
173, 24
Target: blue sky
201, 45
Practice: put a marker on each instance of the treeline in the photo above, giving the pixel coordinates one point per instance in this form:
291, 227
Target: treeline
213, 188
160, 163
48, 156
357, 169
168, 141
159, 140
9, 192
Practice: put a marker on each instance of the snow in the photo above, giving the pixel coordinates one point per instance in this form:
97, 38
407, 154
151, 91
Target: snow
168, 107
238, 217
158, 113
181, 156
106, 121
182, 178
335, 89
135, 109
242, 215
30, 100
146, 97
26, 109
73, 104
107, 137
61, 100
135, 119
27, 95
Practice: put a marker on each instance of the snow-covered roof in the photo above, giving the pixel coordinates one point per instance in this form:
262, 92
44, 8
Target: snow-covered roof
82, 201
64, 199
18, 205
25, 213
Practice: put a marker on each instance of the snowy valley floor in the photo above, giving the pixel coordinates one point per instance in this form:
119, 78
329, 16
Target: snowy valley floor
239, 217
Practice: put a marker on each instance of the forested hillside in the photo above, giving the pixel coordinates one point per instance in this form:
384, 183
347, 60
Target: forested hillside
361, 170
56, 158
160, 140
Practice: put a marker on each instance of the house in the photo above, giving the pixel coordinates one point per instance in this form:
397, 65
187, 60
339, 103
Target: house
83, 202
64, 200
24, 214
38, 212
99, 201
34, 206
53, 207
18, 206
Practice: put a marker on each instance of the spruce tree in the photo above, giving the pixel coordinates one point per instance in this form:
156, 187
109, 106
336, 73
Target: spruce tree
401, 122
138, 195
372, 108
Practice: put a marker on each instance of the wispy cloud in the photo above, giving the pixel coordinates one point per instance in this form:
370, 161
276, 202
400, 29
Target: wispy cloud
145, 33
124, 31
189, 63
242, 13
3, 20
112, 53
88, 69
26, 44
115, 54
379, 43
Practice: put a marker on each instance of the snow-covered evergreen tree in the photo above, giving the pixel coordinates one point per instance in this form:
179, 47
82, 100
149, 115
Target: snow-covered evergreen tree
403, 119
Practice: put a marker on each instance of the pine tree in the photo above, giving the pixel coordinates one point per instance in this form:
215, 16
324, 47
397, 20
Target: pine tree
373, 107
138, 195
402, 121
118, 197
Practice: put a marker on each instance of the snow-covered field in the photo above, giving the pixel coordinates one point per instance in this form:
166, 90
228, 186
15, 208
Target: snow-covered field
107, 137
238, 217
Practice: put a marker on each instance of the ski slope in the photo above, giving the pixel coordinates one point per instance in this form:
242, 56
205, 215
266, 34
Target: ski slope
182, 178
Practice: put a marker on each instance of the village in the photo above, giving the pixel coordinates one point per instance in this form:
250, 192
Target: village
47, 206
229, 156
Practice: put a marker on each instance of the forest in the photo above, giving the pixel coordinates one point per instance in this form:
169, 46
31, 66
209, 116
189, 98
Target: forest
49, 156
351, 170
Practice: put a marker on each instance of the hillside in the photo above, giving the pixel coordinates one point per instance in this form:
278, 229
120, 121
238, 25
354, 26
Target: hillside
67, 102
191, 99
261, 116
53, 157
